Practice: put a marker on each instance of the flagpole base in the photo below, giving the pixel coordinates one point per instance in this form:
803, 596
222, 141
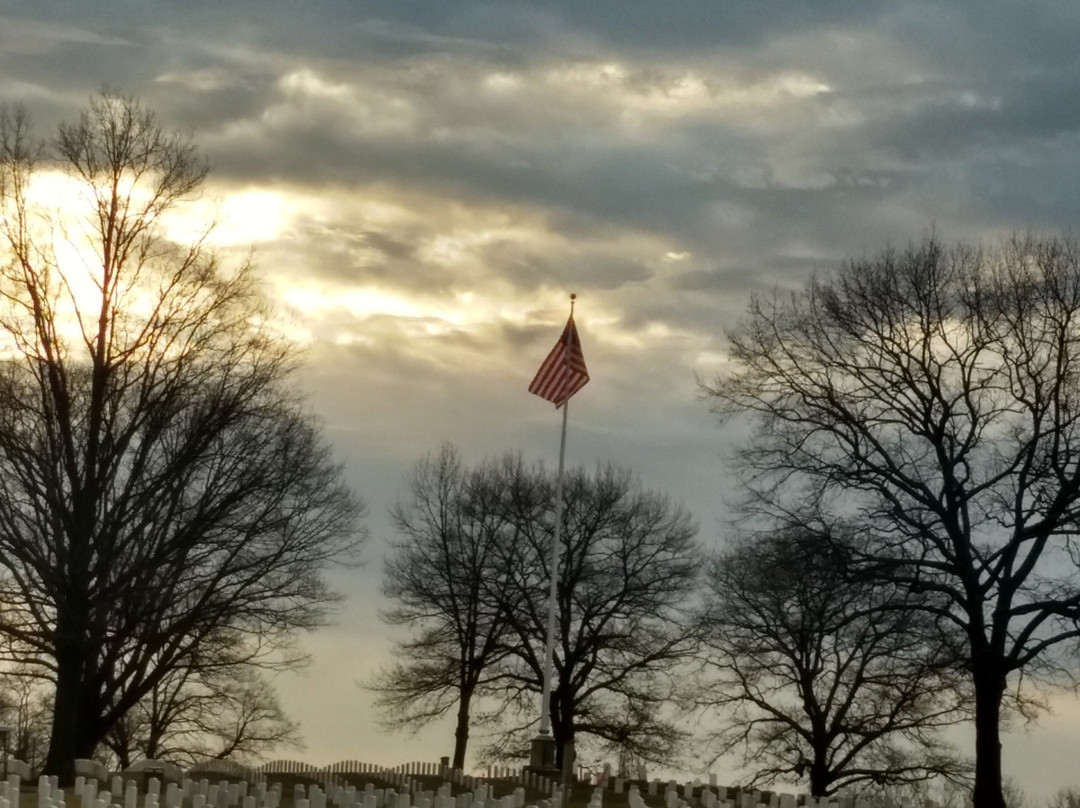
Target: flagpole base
542, 756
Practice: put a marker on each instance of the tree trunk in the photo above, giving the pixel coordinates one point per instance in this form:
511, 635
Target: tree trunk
461, 734
564, 748
562, 731
75, 729
153, 744
820, 775
989, 685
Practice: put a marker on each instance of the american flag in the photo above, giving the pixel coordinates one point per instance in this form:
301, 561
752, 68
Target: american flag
563, 372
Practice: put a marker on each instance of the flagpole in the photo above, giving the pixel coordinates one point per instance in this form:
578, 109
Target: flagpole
556, 548
561, 375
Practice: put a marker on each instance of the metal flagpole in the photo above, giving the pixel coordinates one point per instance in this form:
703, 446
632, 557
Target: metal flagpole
561, 375
556, 548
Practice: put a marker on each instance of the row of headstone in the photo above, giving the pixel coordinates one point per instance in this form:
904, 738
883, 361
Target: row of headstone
15, 766
225, 794
529, 779
555, 801
10, 789
186, 794
370, 797
331, 777
202, 793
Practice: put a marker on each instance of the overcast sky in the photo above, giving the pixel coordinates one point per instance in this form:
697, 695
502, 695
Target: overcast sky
424, 183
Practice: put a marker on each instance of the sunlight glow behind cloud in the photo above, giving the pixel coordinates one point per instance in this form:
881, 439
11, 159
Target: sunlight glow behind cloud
359, 302
243, 217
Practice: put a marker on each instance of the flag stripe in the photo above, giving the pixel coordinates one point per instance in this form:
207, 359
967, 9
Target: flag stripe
563, 373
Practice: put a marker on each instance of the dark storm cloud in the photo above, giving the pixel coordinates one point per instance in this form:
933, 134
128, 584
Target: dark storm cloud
664, 158
953, 122
466, 145
674, 25
337, 93
348, 254
598, 272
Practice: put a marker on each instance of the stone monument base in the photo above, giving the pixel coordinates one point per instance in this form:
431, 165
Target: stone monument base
542, 756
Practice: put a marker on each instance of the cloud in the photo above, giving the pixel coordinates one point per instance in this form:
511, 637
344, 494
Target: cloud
424, 184
23, 37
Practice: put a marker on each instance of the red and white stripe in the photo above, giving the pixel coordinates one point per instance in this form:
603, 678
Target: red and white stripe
563, 373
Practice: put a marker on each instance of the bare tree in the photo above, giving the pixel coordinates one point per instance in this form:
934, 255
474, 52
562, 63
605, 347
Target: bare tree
1068, 797
162, 489
627, 571
933, 394
444, 574
471, 573
818, 675
26, 707
220, 713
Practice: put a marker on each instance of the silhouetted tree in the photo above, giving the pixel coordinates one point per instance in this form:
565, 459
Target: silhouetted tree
1068, 797
444, 574
221, 713
628, 568
471, 574
26, 707
933, 394
821, 676
162, 489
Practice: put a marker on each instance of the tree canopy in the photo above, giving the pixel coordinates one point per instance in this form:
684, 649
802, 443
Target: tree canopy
446, 576
931, 395
164, 495
628, 569
819, 675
